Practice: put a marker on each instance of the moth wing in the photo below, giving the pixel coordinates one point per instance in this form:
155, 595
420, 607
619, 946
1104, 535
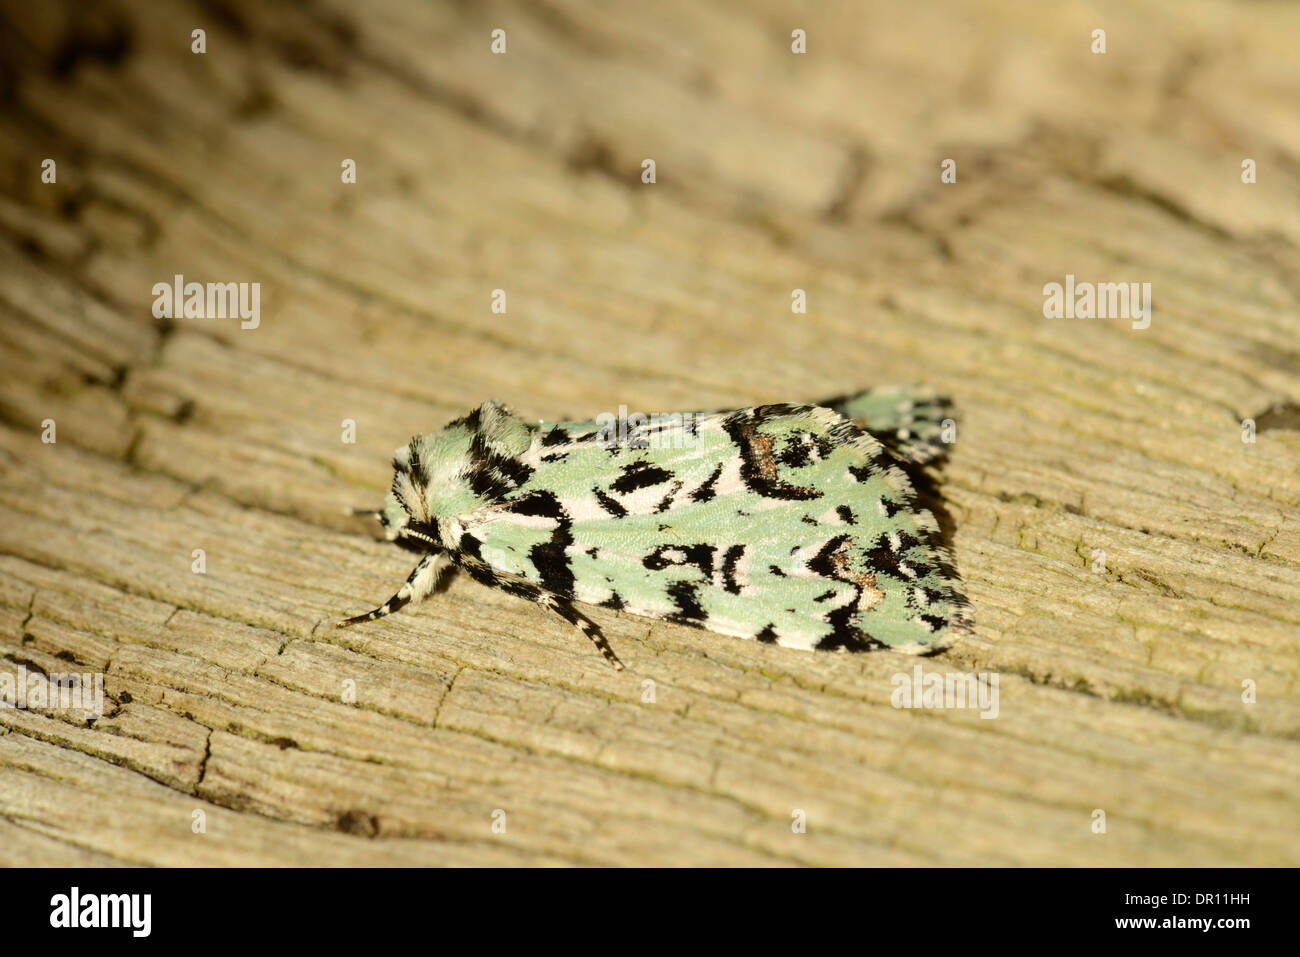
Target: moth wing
908, 420
782, 523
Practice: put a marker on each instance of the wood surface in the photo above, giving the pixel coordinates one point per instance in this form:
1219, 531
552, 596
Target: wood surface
1122, 685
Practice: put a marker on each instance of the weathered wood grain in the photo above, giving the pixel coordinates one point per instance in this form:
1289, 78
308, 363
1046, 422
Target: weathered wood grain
1120, 690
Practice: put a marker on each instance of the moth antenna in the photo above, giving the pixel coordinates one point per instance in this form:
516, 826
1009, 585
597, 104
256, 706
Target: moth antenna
409, 532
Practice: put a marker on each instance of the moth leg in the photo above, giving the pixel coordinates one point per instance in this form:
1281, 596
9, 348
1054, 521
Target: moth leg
419, 584
589, 628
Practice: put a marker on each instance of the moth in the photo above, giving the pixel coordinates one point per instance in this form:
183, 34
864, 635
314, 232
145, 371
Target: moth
789, 524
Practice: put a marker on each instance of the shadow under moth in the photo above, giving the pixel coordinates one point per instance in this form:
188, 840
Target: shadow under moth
790, 524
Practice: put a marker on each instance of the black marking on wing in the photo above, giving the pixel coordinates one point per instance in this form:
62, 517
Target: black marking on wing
639, 475
684, 595
553, 564
891, 507
729, 561
668, 556
844, 633
610, 504
882, 461
801, 448
934, 622
551, 558
667, 502
883, 555
708, 491
759, 467
540, 503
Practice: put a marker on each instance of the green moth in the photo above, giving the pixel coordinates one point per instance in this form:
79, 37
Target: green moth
791, 524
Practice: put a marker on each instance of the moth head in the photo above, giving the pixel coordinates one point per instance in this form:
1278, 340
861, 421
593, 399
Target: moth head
472, 462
